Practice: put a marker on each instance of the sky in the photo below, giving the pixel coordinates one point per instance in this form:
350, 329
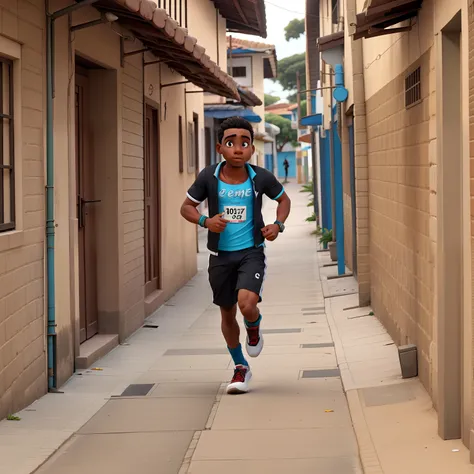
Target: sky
279, 14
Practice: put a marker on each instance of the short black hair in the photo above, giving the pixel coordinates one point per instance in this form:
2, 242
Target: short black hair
234, 122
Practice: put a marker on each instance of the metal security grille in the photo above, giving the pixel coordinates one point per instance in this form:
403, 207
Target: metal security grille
7, 151
413, 88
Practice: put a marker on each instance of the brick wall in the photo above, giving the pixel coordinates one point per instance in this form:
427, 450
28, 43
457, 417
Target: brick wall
133, 196
346, 196
22, 325
401, 262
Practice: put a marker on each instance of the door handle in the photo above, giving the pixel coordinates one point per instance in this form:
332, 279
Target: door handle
81, 204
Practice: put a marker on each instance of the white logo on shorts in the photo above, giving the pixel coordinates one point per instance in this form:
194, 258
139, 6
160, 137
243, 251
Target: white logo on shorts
257, 276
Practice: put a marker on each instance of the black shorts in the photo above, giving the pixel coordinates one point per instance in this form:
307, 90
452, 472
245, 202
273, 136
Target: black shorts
230, 272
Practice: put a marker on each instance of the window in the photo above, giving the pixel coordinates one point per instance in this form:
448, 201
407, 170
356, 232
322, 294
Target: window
180, 145
335, 12
239, 71
413, 88
193, 144
7, 164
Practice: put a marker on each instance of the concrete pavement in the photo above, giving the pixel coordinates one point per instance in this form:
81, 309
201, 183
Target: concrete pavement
175, 416
157, 402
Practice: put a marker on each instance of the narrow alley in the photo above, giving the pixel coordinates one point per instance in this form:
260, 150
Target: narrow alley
165, 409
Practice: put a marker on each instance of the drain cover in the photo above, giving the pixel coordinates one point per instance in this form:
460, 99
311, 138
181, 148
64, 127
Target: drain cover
137, 390
151, 326
320, 374
317, 346
281, 331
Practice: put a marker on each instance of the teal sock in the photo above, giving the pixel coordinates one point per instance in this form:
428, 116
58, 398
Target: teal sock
238, 355
254, 324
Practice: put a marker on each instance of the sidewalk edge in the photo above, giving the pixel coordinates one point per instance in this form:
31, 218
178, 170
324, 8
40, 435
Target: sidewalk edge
367, 452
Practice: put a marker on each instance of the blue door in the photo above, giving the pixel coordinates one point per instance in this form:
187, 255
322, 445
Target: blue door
291, 157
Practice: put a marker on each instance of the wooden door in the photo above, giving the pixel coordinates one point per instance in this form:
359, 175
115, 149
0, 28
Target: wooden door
152, 202
86, 203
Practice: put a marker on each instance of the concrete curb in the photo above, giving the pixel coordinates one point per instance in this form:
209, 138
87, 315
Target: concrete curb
367, 452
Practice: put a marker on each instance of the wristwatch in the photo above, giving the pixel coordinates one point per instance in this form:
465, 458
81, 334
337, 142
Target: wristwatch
280, 225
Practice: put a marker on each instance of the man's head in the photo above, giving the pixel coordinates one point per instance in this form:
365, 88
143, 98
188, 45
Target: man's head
235, 137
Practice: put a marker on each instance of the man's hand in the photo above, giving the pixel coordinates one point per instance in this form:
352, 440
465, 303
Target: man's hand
271, 231
216, 224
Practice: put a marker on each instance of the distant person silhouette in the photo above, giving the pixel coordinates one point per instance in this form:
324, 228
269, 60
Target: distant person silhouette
286, 165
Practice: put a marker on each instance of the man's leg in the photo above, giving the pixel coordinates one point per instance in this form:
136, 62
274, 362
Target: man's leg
231, 332
251, 276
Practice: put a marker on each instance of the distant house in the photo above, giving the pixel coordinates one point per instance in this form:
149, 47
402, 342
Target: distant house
249, 63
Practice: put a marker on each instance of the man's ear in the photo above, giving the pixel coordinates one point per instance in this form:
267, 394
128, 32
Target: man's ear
218, 148
253, 149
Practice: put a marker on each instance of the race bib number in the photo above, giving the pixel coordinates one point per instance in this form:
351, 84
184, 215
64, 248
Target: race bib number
235, 214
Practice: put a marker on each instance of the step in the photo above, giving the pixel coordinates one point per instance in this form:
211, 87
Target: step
95, 348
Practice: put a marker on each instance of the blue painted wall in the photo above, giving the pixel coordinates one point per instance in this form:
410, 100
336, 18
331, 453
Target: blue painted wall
341, 259
291, 157
325, 171
269, 162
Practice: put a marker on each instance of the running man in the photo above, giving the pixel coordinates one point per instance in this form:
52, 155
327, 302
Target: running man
236, 236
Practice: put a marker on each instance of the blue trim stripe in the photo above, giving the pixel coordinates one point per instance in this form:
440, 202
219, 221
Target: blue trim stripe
280, 195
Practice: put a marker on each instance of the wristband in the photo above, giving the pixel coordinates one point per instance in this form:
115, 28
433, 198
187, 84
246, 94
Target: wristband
202, 221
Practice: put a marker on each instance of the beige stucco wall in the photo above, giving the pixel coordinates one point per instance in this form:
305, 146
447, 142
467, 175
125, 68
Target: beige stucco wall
22, 323
209, 27
119, 183
403, 185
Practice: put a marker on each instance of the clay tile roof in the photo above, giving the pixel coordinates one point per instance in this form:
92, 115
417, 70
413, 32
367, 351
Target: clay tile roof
171, 43
238, 43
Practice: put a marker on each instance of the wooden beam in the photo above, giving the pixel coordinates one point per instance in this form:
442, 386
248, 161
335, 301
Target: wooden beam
240, 11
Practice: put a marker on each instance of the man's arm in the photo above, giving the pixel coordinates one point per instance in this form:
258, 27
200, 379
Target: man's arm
271, 231
189, 211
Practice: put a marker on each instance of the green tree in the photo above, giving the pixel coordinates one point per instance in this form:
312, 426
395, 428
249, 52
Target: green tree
271, 99
287, 134
287, 69
294, 29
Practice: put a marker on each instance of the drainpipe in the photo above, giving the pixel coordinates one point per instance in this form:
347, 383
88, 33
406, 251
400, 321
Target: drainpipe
50, 229
50, 224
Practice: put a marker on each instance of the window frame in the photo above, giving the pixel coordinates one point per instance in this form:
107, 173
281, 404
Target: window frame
12, 223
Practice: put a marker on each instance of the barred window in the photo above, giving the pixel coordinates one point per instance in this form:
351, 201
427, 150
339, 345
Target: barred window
7, 164
413, 88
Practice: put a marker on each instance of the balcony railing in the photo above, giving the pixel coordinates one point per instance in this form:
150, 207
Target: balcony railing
176, 9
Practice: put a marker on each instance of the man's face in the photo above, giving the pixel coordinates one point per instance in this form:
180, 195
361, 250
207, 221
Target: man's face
236, 147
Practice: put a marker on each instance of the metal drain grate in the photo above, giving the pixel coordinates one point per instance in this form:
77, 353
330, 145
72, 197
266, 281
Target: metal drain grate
192, 352
281, 331
137, 390
320, 374
151, 326
317, 346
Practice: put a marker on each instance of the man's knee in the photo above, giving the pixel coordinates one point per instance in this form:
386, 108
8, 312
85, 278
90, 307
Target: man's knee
248, 303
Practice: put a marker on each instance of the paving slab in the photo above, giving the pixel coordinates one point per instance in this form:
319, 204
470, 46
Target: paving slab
144, 453
275, 444
339, 465
150, 414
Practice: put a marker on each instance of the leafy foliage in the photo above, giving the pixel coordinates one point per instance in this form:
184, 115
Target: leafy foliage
287, 69
287, 134
294, 29
271, 99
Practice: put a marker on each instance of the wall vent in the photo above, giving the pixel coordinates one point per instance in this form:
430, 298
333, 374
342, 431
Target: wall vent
413, 88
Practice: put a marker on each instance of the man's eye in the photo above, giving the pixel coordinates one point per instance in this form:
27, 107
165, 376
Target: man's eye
229, 144
245, 145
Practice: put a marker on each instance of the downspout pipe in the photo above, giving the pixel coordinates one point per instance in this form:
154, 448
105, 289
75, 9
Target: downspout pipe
50, 225
50, 222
